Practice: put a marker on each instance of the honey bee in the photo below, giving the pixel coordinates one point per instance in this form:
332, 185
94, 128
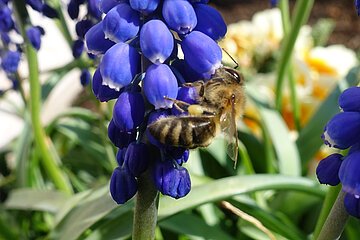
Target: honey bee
220, 103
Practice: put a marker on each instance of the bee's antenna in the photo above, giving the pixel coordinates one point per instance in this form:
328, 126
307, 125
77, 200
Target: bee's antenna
237, 65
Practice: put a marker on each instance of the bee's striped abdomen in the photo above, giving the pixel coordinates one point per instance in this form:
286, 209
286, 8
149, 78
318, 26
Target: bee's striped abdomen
187, 131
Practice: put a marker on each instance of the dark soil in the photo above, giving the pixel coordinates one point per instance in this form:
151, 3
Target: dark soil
347, 29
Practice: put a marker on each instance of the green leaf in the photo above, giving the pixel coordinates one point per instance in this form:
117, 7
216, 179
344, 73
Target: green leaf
309, 140
31, 199
322, 30
231, 186
285, 148
190, 224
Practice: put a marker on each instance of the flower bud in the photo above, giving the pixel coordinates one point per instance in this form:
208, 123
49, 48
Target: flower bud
352, 204
85, 77
93, 8
172, 180
120, 156
120, 138
82, 27
179, 15
343, 130
156, 41
187, 72
73, 9
34, 36
129, 111
349, 173
137, 158
37, 5
159, 82
106, 5
121, 23
123, 185
10, 61
201, 53
49, 12
95, 40
77, 48
349, 100
210, 22
144, 6
6, 21
119, 65
102, 92
327, 171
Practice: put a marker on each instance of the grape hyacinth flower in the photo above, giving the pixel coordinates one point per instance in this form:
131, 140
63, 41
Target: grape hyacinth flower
342, 132
136, 47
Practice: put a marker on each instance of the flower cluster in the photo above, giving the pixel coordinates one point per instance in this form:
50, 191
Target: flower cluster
343, 132
11, 43
158, 45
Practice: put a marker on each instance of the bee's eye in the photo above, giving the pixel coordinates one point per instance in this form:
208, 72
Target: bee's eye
236, 75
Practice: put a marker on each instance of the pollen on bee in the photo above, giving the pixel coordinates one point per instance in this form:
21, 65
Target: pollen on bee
195, 110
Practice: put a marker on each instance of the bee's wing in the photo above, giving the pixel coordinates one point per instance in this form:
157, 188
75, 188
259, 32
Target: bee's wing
228, 126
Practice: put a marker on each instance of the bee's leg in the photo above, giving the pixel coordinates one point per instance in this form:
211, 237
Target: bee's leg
199, 110
180, 105
194, 84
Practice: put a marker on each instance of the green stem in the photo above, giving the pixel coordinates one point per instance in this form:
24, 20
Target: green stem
301, 14
146, 208
54, 172
336, 220
329, 201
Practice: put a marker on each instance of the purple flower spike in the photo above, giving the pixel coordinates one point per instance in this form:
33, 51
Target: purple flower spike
343, 130
201, 53
137, 158
119, 65
349, 173
10, 61
123, 185
34, 36
144, 6
129, 111
156, 41
210, 22
102, 92
106, 5
160, 82
95, 40
349, 100
179, 15
119, 138
328, 169
171, 179
352, 205
121, 23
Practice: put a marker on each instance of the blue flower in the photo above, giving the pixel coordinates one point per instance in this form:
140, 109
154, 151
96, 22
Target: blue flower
34, 36
49, 11
160, 82
95, 40
328, 169
102, 92
349, 173
199, 1
349, 100
121, 23
210, 22
188, 95
106, 5
73, 9
10, 61
120, 156
187, 72
119, 65
202, 53
120, 138
85, 77
129, 111
82, 27
144, 6
357, 6
343, 130
179, 15
137, 158
93, 8
156, 41
37, 5
171, 179
352, 205
6, 21
123, 185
